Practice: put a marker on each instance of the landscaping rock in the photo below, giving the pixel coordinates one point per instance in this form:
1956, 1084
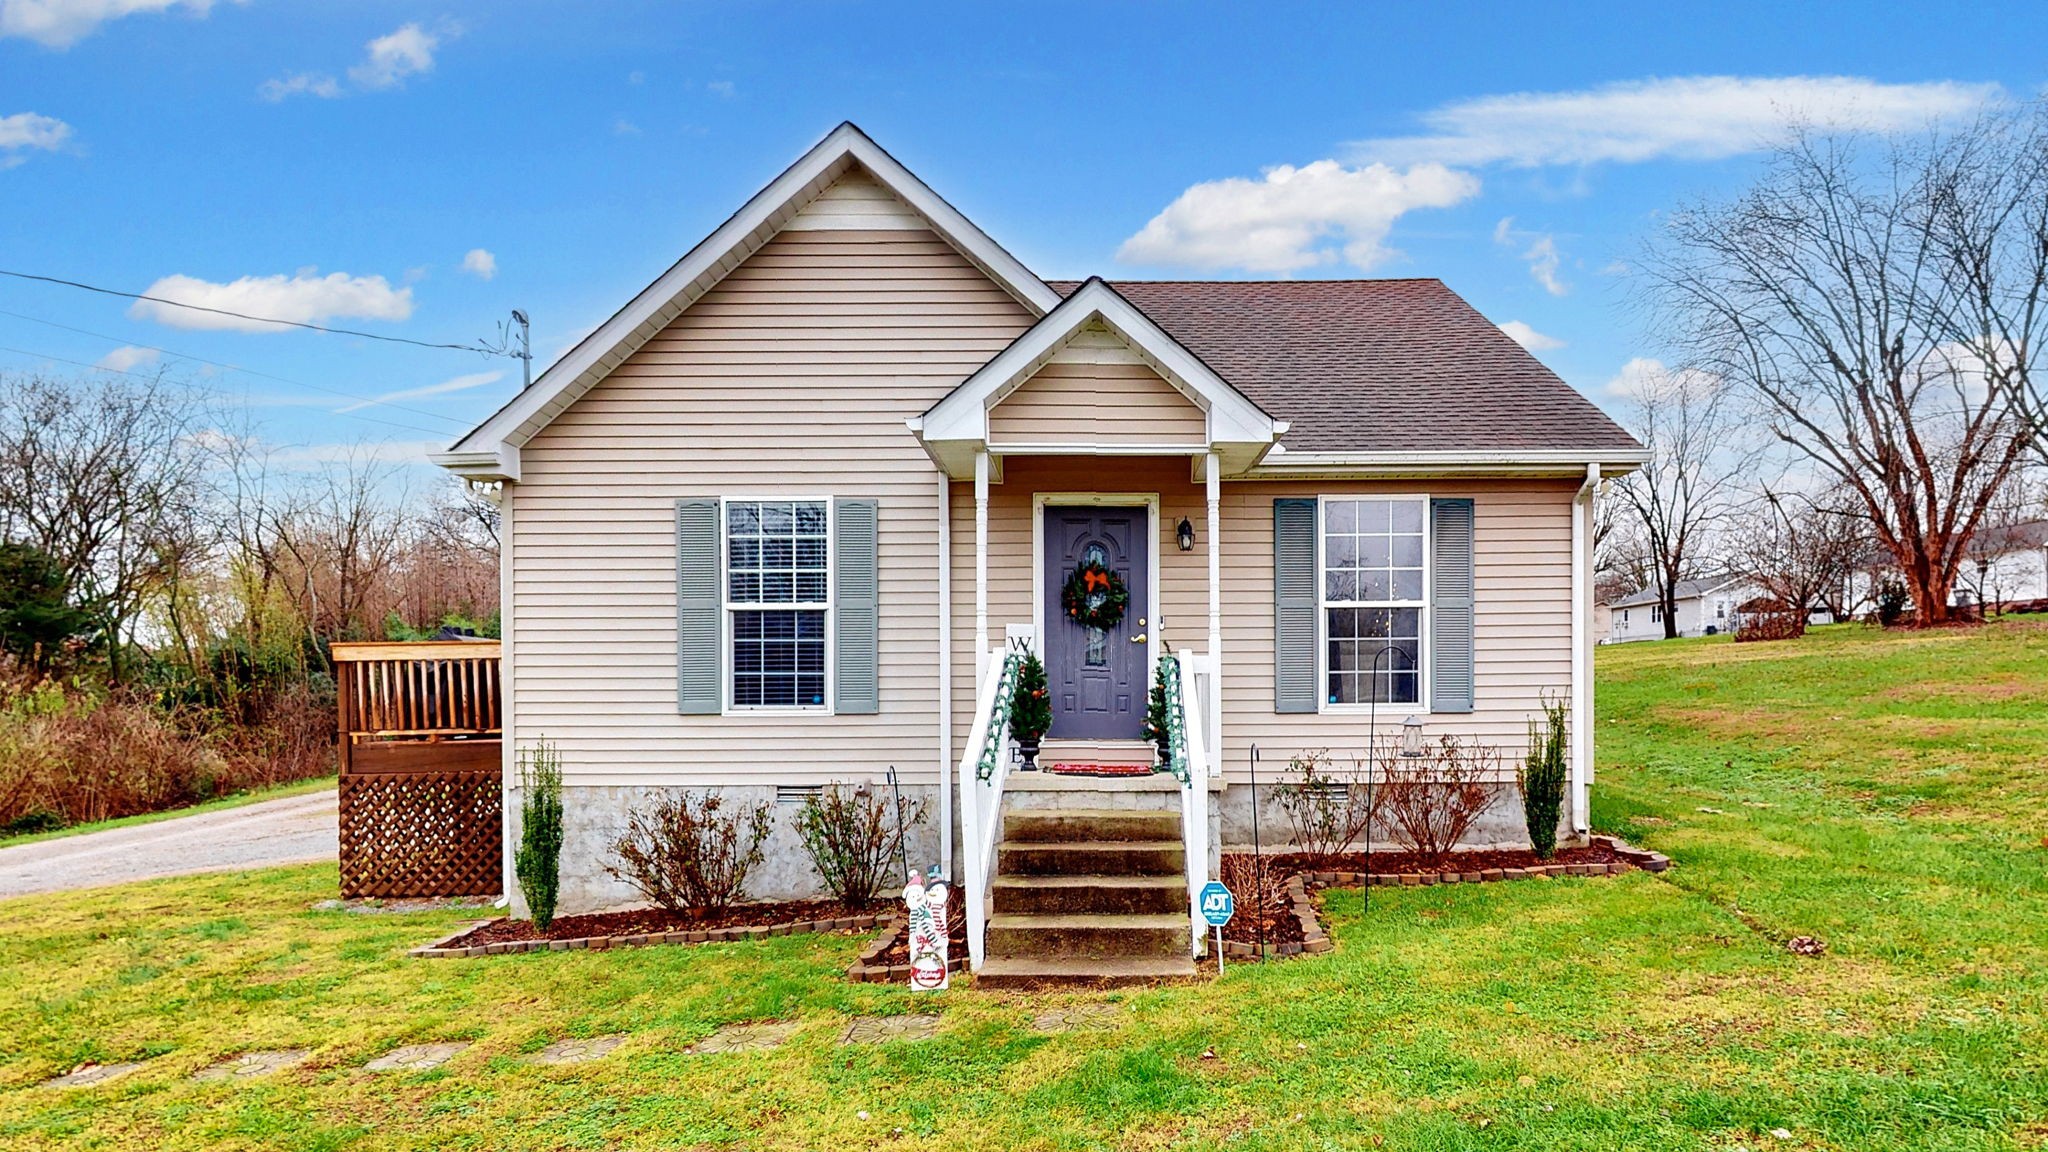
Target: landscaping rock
882, 1029
87, 1075
1076, 1016
416, 1057
252, 1064
576, 1050
757, 1037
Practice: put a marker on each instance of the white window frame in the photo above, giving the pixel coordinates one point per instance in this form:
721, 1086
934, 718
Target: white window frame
727, 606
1323, 605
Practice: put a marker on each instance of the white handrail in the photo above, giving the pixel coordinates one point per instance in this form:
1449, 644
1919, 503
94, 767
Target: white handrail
1194, 807
981, 801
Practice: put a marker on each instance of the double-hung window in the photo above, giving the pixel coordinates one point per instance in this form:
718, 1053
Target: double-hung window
1374, 598
778, 569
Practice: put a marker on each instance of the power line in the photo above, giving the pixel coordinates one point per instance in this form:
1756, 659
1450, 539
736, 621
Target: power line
234, 368
209, 391
479, 348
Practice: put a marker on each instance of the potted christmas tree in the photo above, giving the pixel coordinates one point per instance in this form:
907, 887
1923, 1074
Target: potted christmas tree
1030, 709
1155, 718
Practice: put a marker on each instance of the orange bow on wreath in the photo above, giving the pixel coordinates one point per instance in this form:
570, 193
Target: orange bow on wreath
1094, 596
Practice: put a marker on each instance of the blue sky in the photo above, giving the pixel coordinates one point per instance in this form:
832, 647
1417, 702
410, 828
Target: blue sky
353, 164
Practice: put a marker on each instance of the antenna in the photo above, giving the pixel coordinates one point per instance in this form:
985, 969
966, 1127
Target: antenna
525, 352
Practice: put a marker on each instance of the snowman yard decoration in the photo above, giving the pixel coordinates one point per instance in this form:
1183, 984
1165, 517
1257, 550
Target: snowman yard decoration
927, 932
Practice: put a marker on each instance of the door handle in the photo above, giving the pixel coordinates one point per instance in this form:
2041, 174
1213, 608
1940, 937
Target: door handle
1138, 639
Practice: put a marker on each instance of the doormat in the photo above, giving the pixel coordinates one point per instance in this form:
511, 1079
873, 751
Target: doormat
1099, 769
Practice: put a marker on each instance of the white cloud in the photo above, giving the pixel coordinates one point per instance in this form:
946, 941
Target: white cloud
1529, 337
457, 384
305, 296
1541, 253
318, 84
26, 130
62, 23
624, 127
480, 264
723, 89
1686, 118
1648, 378
389, 59
1294, 218
127, 358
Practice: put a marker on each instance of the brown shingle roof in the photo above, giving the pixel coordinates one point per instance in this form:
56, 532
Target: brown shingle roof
1373, 365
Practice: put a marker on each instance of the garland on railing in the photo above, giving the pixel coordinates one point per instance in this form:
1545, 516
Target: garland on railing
998, 715
1176, 718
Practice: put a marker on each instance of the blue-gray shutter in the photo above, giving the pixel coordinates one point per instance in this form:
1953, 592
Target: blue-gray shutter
1294, 605
856, 629
697, 607
1450, 606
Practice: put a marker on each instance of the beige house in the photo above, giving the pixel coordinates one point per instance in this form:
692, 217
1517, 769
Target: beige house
787, 516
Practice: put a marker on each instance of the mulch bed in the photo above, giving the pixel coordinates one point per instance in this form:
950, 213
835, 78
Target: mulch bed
1473, 860
886, 960
642, 926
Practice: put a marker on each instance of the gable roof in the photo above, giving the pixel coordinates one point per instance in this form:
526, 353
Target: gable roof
1378, 366
491, 450
960, 419
1684, 590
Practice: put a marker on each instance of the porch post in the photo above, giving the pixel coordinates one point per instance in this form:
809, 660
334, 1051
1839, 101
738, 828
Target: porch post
1580, 735
980, 561
946, 675
1214, 475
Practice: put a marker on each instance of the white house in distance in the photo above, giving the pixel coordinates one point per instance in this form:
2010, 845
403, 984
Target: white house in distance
1705, 607
785, 519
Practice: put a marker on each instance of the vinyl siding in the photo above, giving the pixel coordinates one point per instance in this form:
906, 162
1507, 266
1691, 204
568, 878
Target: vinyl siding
1096, 390
791, 377
1522, 610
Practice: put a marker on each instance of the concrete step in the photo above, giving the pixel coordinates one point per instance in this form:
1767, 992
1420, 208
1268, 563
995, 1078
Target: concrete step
1053, 895
1068, 825
1092, 858
1087, 936
1097, 752
1108, 972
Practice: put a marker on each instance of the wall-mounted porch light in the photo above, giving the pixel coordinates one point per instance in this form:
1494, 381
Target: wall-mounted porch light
1411, 736
1185, 535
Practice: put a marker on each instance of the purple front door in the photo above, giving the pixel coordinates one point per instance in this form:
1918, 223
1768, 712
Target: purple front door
1098, 678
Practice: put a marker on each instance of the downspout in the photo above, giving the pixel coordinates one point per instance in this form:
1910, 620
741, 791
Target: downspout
508, 751
1582, 663
945, 675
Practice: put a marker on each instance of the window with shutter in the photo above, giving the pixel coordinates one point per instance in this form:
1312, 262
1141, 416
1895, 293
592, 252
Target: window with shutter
698, 690
856, 623
1294, 605
1451, 606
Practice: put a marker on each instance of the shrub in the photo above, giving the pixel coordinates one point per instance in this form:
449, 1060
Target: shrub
1030, 702
1434, 799
1892, 600
687, 854
1543, 777
1328, 813
851, 833
1769, 623
538, 861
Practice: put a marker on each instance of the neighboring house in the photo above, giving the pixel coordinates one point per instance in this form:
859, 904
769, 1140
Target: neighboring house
1704, 608
2007, 564
765, 528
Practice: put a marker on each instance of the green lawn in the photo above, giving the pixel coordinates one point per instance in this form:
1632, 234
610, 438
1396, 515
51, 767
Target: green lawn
1888, 794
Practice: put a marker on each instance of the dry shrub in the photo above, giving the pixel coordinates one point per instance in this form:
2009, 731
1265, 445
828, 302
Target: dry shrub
1255, 887
687, 854
1435, 798
1770, 624
1328, 809
852, 834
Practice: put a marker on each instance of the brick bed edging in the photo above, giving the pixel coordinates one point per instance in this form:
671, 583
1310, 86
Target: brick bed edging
1314, 939
443, 949
865, 970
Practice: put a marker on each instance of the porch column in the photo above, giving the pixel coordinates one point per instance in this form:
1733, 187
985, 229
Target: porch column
980, 562
1214, 475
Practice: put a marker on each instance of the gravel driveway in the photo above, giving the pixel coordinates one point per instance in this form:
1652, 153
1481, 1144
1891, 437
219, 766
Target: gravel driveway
293, 830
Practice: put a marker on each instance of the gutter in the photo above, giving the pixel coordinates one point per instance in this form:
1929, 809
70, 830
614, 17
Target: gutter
1582, 649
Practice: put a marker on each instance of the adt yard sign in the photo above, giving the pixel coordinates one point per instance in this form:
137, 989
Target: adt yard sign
1217, 904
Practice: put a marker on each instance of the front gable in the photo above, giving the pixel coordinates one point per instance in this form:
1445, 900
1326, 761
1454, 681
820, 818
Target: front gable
1096, 391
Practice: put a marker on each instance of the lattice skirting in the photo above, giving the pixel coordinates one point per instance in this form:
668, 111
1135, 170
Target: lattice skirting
420, 834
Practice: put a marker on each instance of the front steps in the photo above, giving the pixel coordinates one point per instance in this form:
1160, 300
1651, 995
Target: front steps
1088, 896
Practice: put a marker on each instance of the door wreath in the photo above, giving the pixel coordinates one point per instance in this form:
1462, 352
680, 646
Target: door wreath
1094, 596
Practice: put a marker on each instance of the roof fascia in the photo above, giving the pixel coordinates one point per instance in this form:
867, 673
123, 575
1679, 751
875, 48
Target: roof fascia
722, 251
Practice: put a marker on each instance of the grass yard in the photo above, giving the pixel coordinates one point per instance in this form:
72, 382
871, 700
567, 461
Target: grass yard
1888, 794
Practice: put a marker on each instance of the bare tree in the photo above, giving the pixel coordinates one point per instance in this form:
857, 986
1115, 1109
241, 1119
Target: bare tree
1885, 316
1688, 486
1801, 549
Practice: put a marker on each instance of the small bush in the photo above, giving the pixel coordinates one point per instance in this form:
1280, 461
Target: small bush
1156, 728
1543, 777
687, 854
538, 861
851, 834
1434, 799
1892, 602
1328, 813
1030, 703
1769, 624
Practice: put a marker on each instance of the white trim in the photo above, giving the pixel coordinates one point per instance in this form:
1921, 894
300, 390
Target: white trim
1581, 732
1040, 605
708, 263
963, 414
727, 606
981, 463
945, 622
1421, 705
508, 715
1281, 463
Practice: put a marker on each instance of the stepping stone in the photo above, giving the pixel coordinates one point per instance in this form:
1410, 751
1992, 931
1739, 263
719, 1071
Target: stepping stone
746, 1038
252, 1064
90, 1074
415, 1057
1077, 1016
882, 1029
576, 1050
